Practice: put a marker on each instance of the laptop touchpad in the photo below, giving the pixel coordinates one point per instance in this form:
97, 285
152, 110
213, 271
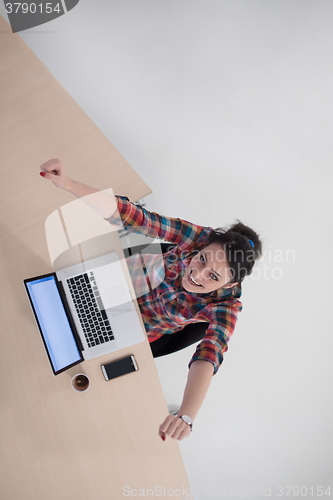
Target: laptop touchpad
117, 300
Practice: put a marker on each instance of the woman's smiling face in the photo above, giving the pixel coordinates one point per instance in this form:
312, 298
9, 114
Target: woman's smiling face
207, 271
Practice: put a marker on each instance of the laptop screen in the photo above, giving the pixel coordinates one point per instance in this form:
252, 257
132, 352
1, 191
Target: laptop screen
53, 322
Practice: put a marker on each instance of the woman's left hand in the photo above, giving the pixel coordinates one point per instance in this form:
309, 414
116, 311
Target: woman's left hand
174, 427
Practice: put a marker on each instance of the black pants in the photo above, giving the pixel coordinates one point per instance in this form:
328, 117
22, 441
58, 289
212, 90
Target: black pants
173, 342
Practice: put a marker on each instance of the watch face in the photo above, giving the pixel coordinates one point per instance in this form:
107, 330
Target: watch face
187, 419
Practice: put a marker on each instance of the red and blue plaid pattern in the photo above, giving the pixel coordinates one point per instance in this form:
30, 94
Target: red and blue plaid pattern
165, 306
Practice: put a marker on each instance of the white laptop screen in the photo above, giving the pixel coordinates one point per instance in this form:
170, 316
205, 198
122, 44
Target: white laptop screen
53, 323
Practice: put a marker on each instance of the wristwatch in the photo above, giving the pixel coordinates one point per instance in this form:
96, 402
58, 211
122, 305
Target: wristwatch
187, 420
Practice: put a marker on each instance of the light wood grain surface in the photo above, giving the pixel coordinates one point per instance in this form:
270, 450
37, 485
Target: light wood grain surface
58, 443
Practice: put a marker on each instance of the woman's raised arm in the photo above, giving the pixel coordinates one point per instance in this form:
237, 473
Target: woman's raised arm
100, 201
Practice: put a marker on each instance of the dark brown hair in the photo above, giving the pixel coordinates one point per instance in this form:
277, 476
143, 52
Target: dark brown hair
239, 252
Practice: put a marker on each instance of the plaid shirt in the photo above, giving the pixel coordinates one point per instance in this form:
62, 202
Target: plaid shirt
165, 306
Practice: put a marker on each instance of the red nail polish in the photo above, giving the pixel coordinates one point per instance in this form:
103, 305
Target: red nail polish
42, 174
163, 437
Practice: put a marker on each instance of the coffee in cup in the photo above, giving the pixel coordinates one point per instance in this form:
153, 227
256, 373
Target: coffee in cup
80, 382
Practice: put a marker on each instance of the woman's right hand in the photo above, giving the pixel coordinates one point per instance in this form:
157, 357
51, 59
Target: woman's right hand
54, 171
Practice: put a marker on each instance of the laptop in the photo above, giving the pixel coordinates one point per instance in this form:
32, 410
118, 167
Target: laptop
84, 311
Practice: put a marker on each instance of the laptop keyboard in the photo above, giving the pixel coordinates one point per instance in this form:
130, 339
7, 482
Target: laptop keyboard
88, 303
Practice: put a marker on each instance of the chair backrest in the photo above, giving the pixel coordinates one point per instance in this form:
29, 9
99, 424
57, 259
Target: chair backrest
153, 248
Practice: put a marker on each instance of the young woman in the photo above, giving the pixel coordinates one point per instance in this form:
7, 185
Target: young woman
201, 282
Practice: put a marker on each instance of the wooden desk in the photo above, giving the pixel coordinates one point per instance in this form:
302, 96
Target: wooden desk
57, 443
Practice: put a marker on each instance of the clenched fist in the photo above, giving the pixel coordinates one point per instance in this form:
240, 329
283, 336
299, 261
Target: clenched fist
54, 171
174, 427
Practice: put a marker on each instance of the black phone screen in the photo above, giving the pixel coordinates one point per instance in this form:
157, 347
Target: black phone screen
120, 367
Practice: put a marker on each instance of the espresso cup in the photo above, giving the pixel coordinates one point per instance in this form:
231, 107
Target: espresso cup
80, 382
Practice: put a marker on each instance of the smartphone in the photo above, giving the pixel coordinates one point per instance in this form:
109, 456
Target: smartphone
119, 367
